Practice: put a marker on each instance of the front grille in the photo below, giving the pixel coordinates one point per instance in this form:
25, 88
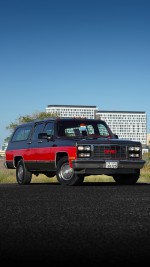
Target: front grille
109, 152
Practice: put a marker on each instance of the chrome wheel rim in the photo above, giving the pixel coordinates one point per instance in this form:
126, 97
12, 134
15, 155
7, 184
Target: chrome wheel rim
66, 172
20, 173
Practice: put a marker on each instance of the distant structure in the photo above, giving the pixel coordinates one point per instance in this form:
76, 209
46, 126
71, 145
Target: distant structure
148, 139
2, 151
131, 125
72, 111
4, 146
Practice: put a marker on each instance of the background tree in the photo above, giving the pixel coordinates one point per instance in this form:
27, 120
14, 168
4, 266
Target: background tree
28, 118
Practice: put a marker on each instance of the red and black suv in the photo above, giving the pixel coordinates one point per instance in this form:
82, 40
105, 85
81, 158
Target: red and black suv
72, 149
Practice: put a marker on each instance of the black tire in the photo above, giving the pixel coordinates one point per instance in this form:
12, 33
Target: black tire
23, 176
127, 179
65, 175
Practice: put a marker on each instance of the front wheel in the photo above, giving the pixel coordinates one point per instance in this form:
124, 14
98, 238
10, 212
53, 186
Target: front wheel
127, 179
23, 176
65, 175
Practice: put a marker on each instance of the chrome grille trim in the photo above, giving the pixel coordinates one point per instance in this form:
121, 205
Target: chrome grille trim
99, 152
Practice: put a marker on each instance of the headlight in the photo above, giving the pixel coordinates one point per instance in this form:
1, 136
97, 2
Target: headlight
85, 148
134, 148
134, 151
84, 151
84, 155
134, 155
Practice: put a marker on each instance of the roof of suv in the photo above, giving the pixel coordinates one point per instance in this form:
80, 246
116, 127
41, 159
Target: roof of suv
57, 119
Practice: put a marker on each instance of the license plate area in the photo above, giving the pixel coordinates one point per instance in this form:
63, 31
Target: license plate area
111, 164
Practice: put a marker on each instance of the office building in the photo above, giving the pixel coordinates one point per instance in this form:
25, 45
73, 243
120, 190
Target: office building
130, 125
72, 111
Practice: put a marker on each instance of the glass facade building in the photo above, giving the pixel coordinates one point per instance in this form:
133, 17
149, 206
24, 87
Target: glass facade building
130, 125
72, 111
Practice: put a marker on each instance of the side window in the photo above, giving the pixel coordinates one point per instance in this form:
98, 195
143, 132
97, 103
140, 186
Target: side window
49, 128
103, 130
90, 129
21, 134
37, 129
69, 132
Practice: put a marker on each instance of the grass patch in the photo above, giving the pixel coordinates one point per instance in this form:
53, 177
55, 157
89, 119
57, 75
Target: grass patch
98, 178
9, 176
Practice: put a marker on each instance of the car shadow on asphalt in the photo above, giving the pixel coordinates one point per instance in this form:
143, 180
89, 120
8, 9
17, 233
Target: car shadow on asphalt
88, 184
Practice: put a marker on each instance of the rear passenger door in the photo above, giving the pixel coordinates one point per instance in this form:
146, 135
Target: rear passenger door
33, 146
46, 151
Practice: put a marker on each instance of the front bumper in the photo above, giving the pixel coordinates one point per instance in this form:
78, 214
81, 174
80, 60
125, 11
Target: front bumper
99, 167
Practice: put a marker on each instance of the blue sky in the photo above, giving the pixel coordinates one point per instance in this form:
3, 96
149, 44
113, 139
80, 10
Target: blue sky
77, 52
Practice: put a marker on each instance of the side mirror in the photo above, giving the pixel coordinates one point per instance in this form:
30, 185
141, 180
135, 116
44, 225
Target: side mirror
116, 136
44, 136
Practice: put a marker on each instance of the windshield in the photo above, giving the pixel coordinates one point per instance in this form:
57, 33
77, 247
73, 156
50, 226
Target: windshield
84, 128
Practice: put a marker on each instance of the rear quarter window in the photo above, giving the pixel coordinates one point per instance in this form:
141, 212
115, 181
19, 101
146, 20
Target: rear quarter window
21, 134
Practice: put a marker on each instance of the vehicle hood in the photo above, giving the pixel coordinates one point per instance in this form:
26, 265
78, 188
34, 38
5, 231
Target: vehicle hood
108, 141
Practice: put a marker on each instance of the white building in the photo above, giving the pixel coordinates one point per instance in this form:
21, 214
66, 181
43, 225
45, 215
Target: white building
72, 111
130, 125
4, 146
3, 150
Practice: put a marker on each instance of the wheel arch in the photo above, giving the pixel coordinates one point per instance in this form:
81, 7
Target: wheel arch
60, 155
16, 160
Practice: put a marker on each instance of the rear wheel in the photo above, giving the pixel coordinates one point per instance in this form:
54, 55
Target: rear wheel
23, 176
65, 174
127, 179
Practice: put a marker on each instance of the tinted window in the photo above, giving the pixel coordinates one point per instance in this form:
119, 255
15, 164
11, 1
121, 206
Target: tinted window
49, 128
82, 128
21, 133
103, 130
37, 129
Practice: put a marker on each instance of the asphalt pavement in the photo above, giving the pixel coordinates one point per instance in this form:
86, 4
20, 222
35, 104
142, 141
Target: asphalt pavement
93, 224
